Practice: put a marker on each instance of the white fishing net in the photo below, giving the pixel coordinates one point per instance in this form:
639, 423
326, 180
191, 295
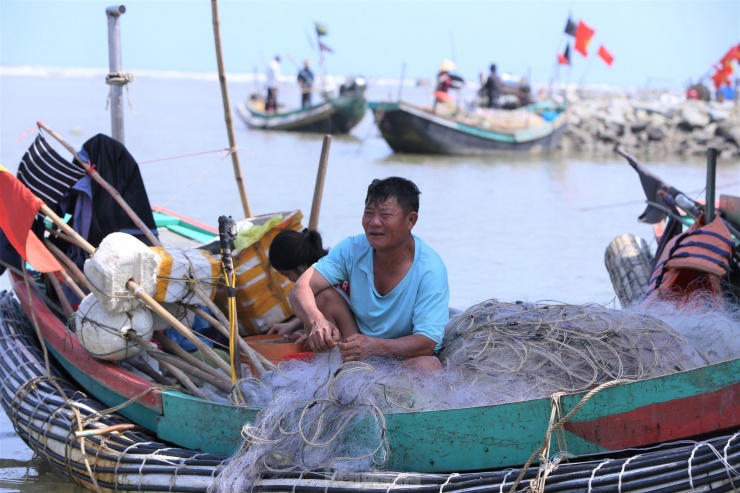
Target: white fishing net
519, 351
324, 414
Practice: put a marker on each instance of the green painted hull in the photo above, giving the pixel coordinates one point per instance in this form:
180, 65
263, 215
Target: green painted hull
335, 116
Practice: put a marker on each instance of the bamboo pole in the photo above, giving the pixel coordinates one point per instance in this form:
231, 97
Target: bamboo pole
62, 235
227, 110
179, 352
140, 294
71, 284
63, 302
318, 191
150, 302
183, 379
186, 367
259, 362
79, 280
107, 186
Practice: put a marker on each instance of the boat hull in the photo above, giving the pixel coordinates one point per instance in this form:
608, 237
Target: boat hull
335, 116
672, 407
409, 129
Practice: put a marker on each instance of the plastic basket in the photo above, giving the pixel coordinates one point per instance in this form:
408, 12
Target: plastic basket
261, 292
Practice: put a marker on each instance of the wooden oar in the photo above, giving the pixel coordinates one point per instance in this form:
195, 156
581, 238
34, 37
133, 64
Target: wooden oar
107, 186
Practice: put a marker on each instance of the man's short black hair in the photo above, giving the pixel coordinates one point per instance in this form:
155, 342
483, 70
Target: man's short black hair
405, 192
493, 67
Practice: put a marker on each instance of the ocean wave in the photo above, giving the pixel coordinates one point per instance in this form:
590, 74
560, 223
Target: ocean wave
86, 72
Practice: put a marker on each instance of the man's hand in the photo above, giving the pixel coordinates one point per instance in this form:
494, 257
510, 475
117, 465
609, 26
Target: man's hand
358, 347
323, 336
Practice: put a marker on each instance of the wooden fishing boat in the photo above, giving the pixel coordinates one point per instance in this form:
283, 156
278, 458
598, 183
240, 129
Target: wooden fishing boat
641, 413
335, 115
414, 129
105, 452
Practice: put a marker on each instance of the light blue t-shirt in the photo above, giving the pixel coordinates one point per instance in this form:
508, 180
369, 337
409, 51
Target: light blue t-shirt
419, 304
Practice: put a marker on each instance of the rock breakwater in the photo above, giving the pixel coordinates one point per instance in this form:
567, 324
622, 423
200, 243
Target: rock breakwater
651, 124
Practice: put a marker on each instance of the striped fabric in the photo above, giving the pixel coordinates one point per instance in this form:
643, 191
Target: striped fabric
47, 173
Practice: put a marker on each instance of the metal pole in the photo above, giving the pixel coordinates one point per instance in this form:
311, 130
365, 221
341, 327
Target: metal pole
711, 178
114, 67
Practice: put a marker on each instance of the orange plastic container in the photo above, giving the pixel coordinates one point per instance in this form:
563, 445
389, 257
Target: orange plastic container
274, 347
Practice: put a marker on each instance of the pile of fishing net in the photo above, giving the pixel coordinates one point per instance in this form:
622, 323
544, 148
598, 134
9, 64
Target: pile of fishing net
327, 414
519, 351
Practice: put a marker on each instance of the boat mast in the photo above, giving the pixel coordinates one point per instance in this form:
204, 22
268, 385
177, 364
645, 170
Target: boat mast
227, 110
115, 79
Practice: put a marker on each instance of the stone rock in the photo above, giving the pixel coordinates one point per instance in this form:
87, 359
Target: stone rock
655, 132
693, 117
650, 123
733, 134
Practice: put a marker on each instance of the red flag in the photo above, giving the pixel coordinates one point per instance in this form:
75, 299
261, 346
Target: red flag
18, 209
605, 55
323, 47
564, 58
722, 75
730, 56
583, 37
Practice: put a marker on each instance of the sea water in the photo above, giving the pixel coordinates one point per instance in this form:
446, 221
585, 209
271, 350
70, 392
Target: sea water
511, 227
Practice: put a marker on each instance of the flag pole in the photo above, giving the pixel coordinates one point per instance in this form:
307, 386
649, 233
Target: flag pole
227, 111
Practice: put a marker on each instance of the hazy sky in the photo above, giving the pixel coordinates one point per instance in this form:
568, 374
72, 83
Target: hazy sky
654, 42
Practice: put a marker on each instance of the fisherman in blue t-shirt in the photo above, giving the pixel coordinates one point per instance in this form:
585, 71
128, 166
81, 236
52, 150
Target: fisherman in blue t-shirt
305, 80
399, 296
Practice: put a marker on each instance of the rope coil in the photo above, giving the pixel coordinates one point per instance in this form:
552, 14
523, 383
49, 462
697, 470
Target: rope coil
119, 78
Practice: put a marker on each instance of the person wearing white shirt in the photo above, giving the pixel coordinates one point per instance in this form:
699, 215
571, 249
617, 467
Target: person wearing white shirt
273, 74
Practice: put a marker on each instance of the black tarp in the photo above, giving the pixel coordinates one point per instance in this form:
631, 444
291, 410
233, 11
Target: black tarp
117, 167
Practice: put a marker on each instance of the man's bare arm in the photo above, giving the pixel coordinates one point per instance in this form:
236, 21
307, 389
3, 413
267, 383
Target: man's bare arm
360, 347
321, 333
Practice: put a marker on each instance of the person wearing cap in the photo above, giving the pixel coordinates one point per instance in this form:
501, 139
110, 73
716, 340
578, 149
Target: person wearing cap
305, 80
273, 74
445, 81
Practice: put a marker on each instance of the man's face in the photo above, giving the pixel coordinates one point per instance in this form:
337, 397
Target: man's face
386, 225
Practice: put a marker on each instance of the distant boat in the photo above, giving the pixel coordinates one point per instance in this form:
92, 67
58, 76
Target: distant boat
335, 115
414, 129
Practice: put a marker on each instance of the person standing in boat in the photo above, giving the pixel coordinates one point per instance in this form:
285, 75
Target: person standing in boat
399, 299
491, 89
291, 254
305, 80
446, 80
273, 74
